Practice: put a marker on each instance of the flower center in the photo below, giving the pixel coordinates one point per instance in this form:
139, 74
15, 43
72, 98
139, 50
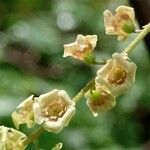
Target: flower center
124, 16
119, 21
55, 109
117, 75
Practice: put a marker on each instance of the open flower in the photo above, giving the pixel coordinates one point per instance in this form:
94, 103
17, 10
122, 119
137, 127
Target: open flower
121, 24
82, 47
24, 113
100, 100
54, 110
118, 74
11, 139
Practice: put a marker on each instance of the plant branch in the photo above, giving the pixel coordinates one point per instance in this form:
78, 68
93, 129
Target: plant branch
36, 144
33, 136
141, 35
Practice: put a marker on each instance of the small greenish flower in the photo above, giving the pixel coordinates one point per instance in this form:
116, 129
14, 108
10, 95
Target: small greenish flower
121, 24
24, 115
58, 146
118, 74
54, 110
11, 139
81, 48
100, 100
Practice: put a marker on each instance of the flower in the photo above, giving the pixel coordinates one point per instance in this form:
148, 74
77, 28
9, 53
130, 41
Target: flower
54, 110
11, 139
121, 24
58, 146
82, 47
118, 74
24, 113
100, 100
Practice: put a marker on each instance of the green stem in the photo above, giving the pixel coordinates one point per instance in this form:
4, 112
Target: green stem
88, 86
141, 35
100, 63
36, 144
138, 30
33, 136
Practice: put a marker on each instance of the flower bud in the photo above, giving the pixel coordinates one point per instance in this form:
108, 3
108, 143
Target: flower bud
11, 139
100, 100
24, 113
58, 146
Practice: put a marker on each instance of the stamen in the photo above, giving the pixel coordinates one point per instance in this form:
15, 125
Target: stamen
55, 109
117, 75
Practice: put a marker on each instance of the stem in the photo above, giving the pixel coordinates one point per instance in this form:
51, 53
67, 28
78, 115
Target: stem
100, 63
138, 30
141, 35
88, 86
36, 144
33, 136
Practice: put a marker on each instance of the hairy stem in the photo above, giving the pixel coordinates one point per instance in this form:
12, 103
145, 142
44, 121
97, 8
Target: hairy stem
88, 86
141, 35
33, 136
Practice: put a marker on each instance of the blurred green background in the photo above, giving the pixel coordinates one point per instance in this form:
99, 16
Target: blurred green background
32, 34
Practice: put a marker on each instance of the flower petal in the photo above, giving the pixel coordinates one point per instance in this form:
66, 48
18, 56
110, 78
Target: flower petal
24, 113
